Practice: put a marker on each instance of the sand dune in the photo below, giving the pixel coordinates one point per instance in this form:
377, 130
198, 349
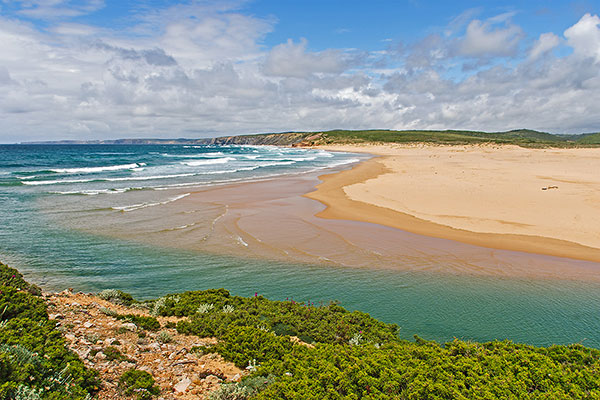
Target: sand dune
543, 201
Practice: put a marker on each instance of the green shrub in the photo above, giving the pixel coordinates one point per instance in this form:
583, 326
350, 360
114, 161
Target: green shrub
15, 303
164, 337
116, 296
241, 390
34, 359
139, 383
13, 278
114, 354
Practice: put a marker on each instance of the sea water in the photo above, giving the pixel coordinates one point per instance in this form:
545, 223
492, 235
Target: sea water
68, 179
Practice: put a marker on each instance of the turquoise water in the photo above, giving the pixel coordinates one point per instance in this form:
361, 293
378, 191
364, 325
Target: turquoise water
433, 305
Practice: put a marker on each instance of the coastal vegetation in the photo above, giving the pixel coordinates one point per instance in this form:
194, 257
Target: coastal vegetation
34, 360
291, 350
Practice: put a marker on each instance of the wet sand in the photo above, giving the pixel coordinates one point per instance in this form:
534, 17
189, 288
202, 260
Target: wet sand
544, 201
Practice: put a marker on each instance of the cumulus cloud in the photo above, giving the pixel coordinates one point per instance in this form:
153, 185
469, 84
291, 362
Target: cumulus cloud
292, 60
201, 69
485, 39
545, 43
584, 37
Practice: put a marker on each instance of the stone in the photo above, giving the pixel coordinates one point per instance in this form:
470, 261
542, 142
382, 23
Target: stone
87, 324
211, 379
182, 385
130, 326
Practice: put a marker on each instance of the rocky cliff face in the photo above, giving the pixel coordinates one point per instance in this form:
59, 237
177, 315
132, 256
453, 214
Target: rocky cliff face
275, 139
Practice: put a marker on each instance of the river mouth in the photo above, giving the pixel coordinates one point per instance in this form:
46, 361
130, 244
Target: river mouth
236, 236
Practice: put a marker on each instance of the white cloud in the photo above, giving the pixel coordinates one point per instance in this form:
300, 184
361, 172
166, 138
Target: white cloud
545, 43
484, 39
584, 37
292, 60
57, 9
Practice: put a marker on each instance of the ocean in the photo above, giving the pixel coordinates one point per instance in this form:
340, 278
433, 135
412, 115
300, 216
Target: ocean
60, 205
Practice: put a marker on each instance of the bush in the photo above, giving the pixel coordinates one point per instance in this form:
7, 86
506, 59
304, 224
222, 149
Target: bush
164, 337
116, 296
34, 359
241, 390
140, 383
13, 278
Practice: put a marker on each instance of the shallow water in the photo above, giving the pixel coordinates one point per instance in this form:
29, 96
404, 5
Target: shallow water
433, 304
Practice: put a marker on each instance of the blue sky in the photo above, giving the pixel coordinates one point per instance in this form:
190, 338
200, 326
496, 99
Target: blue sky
158, 68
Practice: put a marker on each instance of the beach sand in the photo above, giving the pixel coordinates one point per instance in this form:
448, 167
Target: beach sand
544, 201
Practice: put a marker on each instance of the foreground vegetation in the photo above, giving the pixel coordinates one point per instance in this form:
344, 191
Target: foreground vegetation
293, 351
349, 355
34, 360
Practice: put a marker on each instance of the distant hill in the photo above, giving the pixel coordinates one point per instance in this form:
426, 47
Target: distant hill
589, 138
521, 137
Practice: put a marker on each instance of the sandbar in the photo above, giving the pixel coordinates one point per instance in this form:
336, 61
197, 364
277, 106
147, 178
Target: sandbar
543, 201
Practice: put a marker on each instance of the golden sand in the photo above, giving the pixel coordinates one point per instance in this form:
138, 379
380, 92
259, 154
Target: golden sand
544, 201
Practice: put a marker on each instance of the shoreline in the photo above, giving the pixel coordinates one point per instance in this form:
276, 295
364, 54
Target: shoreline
332, 192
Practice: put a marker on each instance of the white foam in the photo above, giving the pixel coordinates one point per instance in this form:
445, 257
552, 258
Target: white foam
93, 192
275, 163
89, 170
56, 181
343, 162
124, 179
198, 163
140, 206
201, 155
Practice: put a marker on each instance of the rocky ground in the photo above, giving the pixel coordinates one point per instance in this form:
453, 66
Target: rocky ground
94, 334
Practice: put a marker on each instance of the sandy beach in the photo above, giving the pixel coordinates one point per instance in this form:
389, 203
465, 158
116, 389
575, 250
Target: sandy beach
544, 201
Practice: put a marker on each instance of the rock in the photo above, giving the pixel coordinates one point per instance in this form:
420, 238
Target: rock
236, 378
87, 324
211, 379
154, 346
56, 316
126, 365
70, 337
100, 356
75, 304
129, 326
182, 385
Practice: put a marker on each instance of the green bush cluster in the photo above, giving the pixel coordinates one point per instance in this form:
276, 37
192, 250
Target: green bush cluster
117, 297
138, 383
241, 390
426, 370
328, 323
354, 356
13, 278
34, 359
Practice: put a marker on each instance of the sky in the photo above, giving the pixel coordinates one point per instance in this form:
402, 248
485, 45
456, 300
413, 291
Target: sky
107, 69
